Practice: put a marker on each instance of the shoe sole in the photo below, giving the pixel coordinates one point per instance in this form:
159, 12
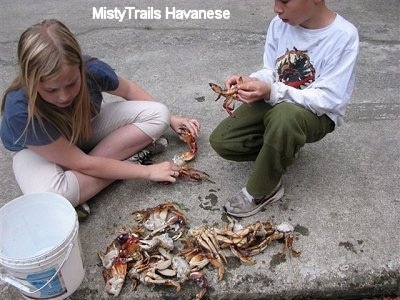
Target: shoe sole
278, 195
82, 211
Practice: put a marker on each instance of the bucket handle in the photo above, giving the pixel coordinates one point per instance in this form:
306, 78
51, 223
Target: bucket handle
17, 283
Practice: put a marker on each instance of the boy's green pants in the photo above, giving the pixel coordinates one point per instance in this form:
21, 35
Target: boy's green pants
270, 136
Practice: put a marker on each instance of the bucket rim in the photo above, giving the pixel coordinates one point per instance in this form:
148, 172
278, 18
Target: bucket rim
44, 257
5, 259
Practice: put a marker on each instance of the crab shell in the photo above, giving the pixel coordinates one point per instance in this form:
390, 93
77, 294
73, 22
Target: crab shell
177, 159
285, 227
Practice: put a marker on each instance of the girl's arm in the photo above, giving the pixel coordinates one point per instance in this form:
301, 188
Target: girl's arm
67, 155
129, 90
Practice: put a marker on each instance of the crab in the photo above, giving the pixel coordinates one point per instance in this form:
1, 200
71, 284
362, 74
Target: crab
146, 252
189, 173
164, 241
228, 94
189, 267
123, 249
191, 142
154, 270
163, 217
114, 277
208, 248
246, 242
287, 231
280, 232
201, 280
186, 172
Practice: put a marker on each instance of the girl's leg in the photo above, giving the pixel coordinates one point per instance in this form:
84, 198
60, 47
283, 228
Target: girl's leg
121, 129
125, 127
35, 174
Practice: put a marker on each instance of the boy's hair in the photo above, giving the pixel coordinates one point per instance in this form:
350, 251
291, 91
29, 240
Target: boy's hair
42, 51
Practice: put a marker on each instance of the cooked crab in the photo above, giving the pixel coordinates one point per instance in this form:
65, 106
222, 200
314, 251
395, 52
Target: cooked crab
114, 277
147, 254
191, 142
163, 217
228, 94
189, 173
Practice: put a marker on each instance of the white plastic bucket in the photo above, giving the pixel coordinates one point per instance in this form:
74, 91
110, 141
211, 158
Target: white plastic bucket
39, 246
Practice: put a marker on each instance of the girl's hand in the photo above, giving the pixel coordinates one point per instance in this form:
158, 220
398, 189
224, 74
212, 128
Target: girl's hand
191, 124
164, 172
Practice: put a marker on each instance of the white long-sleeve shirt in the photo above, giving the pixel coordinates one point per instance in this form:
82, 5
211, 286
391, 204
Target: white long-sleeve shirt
314, 68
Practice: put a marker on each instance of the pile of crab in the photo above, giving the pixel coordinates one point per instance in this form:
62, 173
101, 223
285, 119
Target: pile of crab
161, 249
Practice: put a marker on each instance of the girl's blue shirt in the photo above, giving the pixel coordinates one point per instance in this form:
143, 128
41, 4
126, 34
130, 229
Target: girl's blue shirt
14, 134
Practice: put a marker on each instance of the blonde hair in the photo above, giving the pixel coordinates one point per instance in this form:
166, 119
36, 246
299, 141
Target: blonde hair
42, 51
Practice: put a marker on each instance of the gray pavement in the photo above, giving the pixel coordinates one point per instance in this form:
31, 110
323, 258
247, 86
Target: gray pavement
342, 194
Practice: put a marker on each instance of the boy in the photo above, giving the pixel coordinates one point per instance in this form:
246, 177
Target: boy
298, 97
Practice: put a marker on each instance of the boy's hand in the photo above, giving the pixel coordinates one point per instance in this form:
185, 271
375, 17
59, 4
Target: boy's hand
234, 80
251, 90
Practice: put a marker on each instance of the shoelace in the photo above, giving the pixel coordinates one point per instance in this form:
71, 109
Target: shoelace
142, 157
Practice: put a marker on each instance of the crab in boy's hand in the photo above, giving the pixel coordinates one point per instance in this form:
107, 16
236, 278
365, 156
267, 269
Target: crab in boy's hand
229, 94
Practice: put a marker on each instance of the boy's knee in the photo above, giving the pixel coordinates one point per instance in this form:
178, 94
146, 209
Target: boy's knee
284, 117
216, 142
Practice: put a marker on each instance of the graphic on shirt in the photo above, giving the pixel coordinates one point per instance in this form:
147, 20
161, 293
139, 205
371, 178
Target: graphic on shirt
295, 69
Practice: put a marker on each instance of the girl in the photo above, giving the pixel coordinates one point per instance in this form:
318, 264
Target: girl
64, 139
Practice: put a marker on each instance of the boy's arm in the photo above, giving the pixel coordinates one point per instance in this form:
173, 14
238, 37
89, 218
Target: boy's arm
333, 86
331, 90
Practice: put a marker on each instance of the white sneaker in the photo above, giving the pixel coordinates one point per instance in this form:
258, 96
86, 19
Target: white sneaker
244, 205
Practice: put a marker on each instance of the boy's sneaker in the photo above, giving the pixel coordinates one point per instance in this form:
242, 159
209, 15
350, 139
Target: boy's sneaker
143, 157
83, 211
244, 205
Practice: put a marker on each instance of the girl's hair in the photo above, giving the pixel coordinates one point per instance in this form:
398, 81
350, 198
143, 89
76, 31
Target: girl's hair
42, 51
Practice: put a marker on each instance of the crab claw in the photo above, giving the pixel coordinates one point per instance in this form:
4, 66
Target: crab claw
115, 277
201, 280
191, 142
216, 88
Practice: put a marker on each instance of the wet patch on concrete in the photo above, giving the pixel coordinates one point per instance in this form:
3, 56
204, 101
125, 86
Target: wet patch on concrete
200, 99
210, 202
233, 262
213, 199
302, 230
348, 246
284, 205
224, 218
276, 259
351, 247
360, 242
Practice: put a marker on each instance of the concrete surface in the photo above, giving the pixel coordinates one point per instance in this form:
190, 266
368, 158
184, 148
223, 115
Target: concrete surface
343, 193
